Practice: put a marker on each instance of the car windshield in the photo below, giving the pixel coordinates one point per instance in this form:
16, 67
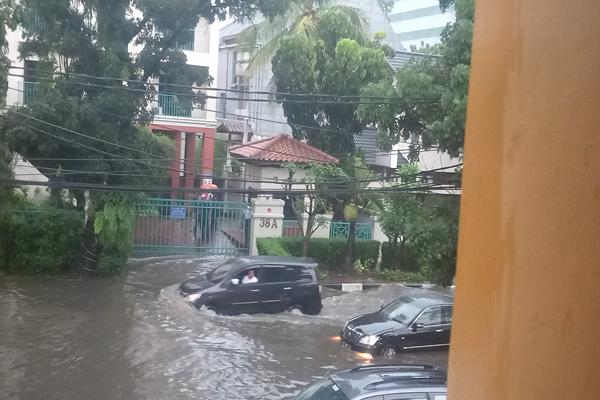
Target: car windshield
402, 310
325, 389
220, 272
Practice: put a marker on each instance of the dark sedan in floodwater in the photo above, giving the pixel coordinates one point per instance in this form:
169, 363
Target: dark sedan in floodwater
410, 322
257, 284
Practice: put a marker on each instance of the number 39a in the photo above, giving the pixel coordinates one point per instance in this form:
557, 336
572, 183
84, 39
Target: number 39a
268, 223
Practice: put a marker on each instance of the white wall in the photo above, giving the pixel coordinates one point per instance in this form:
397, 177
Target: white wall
259, 173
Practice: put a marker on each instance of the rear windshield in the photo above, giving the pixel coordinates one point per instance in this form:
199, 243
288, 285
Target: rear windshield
220, 272
325, 389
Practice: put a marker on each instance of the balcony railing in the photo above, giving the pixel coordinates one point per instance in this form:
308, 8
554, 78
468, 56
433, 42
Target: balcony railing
186, 40
29, 90
32, 20
170, 105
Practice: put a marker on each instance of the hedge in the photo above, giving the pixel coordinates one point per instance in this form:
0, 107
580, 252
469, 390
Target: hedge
39, 240
408, 263
329, 252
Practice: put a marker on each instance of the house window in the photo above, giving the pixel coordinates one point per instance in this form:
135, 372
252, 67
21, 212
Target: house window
30, 80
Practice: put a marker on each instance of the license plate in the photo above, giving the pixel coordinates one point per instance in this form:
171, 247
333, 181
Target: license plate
345, 345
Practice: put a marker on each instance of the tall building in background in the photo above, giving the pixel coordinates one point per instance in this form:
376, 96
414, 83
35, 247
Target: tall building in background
419, 22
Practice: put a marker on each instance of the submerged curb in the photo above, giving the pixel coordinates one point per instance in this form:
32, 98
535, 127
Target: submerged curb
362, 287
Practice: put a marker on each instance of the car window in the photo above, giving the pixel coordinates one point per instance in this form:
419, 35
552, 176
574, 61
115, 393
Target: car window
220, 272
274, 274
402, 310
446, 314
431, 316
303, 274
325, 389
406, 396
240, 276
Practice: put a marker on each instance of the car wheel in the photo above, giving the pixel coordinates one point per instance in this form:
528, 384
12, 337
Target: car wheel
389, 352
311, 308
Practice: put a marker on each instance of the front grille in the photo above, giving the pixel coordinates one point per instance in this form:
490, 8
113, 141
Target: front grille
352, 335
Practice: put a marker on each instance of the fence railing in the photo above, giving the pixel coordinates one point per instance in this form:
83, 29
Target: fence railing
341, 230
186, 40
290, 228
32, 20
170, 105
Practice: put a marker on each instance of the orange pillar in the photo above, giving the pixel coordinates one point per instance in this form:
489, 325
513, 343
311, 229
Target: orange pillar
190, 162
527, 311
175, 164
208, 151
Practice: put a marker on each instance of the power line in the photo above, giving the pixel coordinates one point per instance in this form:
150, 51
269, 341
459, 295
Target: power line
131, 188
338, 100
193, 87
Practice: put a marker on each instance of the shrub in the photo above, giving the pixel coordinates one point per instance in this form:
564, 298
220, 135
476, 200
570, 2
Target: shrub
114, 227
402, 276
408, 263
39, 240
271, 247
328, 252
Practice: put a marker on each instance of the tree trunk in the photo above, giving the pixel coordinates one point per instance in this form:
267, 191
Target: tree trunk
305, 242
350, 247
394, 244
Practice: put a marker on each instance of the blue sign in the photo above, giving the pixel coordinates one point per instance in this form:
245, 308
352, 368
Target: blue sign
177, 212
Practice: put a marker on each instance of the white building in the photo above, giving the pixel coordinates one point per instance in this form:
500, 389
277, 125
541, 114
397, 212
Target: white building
184, 124
419, 22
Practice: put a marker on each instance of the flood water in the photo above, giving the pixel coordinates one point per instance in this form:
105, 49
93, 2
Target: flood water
133, 337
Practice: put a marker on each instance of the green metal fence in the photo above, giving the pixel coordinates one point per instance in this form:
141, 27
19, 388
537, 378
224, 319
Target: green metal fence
171, 106
168, 226
341, 230
186, 40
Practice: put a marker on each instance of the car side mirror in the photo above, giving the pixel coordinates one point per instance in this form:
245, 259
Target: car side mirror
418, 326
235, 281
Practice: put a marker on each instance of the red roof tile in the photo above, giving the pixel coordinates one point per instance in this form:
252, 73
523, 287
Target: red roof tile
282, 148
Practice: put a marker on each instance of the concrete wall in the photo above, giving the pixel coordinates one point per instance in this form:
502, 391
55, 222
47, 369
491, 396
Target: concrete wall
267, 220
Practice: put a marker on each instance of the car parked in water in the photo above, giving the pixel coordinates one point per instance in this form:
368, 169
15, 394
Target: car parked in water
410, 322
257, 284
380, 382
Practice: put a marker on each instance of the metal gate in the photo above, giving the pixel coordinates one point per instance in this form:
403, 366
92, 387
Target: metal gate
198, 227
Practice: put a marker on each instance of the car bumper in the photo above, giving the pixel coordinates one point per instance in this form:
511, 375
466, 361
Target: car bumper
359, 347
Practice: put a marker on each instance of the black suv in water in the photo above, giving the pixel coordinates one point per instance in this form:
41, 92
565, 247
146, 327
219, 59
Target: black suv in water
380, 382
260, 284
410, 322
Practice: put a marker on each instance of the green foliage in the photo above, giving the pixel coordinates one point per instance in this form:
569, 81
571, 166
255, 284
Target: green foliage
271, 247
362, 266
328, 252
403, 276
396, 259
39, 240
336, 58
432, 91
113, 225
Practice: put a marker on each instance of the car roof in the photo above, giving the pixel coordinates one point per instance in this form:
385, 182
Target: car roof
247, 260
389, 378
431, 299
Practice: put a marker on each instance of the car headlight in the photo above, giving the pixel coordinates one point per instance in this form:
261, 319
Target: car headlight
369, 340
193, 297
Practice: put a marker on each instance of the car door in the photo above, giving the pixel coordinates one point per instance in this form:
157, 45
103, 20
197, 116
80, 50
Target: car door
446, 324
427, 329
244, 298
275, 287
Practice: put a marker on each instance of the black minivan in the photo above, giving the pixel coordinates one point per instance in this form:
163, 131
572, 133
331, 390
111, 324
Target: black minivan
257, 284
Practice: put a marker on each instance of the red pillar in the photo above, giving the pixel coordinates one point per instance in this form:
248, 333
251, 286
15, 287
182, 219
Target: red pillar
175, 163
208, 152
190, 162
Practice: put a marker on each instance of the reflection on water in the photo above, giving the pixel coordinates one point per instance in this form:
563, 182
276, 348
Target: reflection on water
133, 337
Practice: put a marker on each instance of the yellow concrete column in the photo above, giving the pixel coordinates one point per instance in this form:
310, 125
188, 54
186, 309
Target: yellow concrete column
527, 315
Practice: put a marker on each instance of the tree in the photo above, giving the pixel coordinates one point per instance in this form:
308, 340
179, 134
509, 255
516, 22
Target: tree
301, 19
315, 179
431, 92
357, 177
82, 124
337, 60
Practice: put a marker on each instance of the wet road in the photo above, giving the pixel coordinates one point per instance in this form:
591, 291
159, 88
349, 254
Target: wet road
133, 337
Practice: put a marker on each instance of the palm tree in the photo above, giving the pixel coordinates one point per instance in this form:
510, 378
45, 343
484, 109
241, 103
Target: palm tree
261, 39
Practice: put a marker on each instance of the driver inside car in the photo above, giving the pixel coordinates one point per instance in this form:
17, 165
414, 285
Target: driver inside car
250, 277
